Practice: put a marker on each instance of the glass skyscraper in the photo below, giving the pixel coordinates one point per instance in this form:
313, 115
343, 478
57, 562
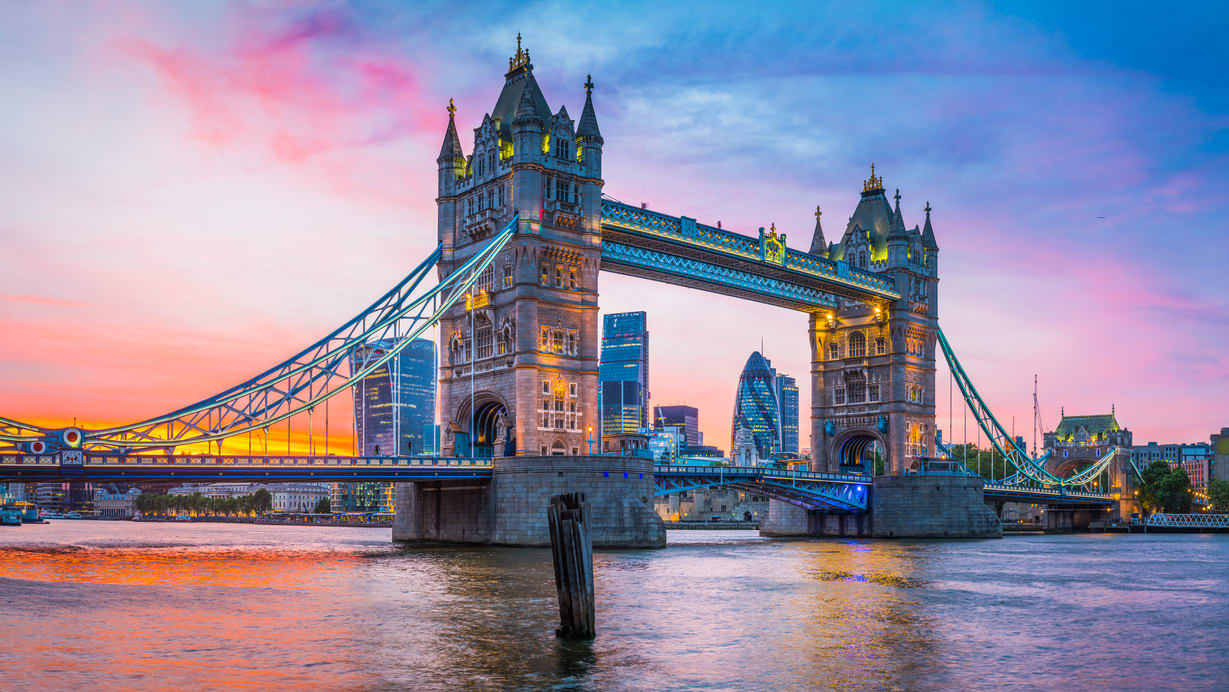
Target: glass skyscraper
685, 418
755, 406
787, 398
623, 376
394, 405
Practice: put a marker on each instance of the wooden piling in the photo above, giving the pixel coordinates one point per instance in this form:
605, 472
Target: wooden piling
572, 551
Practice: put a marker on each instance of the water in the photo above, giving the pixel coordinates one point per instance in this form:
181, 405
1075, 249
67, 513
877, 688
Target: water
117, 605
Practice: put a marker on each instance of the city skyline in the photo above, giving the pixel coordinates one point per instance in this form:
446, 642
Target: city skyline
1048, 229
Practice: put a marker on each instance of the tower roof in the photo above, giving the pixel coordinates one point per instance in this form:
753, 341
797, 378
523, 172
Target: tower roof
819, 246
928, 233
519, 85
451, 149
1095, 425
587, 128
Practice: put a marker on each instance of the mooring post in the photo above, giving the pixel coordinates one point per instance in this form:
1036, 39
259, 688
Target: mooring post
572, 552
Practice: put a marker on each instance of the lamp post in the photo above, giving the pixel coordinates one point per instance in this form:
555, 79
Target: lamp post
589, 431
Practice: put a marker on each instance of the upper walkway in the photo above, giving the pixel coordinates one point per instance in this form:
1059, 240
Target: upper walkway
678, 250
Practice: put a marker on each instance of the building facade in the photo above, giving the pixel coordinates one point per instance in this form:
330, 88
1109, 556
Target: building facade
109, 504
623, 380
686, 418
395, 402
873, 364
787, 401
519, 368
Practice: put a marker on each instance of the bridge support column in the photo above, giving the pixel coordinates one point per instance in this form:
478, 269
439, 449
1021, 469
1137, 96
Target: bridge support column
932, 507
511, 508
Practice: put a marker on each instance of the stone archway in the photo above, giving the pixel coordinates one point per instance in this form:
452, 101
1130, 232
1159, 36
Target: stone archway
493, 433
855, 449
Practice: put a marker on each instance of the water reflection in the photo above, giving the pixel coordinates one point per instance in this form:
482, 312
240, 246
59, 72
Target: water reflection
124, 606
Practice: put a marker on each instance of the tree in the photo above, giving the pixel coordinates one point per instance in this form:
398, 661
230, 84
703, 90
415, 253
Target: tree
1218, 493
262, 500
323, 506
1165, 488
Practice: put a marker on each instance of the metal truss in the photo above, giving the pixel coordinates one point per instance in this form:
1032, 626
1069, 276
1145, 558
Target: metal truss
1028, 467
1045, 495
321, 371
1199, 521
801, 272
668, 266
846, 493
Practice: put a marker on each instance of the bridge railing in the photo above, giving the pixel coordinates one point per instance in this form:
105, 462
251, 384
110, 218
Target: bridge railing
757, 472
198, 460
1198, 521
1052, 492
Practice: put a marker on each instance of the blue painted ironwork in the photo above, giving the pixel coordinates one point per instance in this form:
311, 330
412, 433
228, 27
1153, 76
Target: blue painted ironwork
1047, 496
680, 247
298, 384
813, 490
100, 467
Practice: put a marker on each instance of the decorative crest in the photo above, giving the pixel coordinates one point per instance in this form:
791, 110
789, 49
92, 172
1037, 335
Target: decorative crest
588, 84
927, 210
521, 58
452, 109
818, 213
874, 184
897, 196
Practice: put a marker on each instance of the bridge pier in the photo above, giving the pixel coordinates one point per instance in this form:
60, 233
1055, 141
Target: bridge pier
511, 508
900, 507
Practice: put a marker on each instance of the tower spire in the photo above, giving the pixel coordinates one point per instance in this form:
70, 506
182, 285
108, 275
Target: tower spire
587, 128
819, 246
451, 148
928, 233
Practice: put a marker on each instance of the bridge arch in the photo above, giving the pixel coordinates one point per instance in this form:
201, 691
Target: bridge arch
849, 448
493, 433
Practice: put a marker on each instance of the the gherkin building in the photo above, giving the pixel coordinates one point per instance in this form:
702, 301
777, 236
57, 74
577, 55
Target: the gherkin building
755, 405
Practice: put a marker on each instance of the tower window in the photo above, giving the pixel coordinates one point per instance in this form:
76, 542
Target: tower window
834, 351
881, 346
857, 345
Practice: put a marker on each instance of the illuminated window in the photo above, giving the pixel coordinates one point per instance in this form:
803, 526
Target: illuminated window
544, 345
834, 351
857, 345
558, 276
557, 342
507, 276
572, 277
486, 281
545, 274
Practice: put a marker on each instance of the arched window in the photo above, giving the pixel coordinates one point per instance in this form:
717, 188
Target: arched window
862, 259
482, 335
881, 346
557, 449
834, 350
857, 345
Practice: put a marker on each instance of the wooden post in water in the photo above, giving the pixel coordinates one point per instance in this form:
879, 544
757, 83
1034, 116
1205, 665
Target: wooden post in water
572, 550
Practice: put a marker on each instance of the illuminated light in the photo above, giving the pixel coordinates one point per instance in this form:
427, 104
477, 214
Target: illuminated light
480, 301
546, 143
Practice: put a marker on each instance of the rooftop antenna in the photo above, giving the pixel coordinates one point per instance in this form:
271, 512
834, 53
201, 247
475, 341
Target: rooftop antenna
1036, 414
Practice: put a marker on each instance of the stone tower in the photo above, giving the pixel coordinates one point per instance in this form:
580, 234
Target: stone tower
519, 362
873, 365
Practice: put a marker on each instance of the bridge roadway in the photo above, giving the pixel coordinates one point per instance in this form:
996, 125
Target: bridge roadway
827, 491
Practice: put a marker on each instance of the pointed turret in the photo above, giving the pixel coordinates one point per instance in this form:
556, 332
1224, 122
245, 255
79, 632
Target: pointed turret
588, 119
451, 148
897, 219
928, 233
526, 110
819, 246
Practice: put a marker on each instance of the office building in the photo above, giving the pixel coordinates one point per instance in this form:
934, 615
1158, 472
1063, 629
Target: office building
787, 400
755, 407
623, 381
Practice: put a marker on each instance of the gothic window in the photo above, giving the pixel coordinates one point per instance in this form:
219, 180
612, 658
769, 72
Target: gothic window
572, 393
838, 396
550, 187
486, 280
557, 342
486, 199
545, 388
857, 345
881, 346
572, 277
862, 259
545, 274
544, 345
507, 276
490, 161
482, 336
857, 390
834, 351
872, 389
558, 276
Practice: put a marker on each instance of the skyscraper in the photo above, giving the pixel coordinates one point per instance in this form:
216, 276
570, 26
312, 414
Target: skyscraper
393, 406
623, 377
686, 418
787, 401
755, 406
394, 403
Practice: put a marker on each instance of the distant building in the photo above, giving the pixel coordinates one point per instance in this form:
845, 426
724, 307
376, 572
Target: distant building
686, 418
64, 497
1219, 468
109, 504
755, 407
623, 381
1194, 457
1080, 440
394, 411
296, 497
664, 444
787, 400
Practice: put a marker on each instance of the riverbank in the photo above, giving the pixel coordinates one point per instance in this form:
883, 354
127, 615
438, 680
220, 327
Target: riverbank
717, 525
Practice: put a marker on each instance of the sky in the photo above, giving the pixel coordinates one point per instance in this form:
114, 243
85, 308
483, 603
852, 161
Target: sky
190, 193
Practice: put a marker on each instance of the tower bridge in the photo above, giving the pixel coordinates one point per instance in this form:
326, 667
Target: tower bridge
524, 231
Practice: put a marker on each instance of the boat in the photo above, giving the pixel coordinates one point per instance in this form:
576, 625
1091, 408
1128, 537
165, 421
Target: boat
182, 517
10, 516
52, 514
29, 512
73, 515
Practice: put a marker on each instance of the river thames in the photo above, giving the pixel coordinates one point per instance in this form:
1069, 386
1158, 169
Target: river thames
117, 605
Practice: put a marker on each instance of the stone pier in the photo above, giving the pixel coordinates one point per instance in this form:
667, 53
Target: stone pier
900, 507
510, 509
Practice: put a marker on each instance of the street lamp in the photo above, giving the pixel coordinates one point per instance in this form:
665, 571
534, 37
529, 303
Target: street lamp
589, 432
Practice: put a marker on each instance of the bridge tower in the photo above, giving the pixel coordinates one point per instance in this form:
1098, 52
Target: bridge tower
873, 365
519, 364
